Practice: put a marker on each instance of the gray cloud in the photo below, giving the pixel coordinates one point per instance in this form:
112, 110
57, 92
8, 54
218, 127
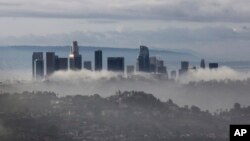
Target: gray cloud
8, 4
180, 10
210, 89
208, 34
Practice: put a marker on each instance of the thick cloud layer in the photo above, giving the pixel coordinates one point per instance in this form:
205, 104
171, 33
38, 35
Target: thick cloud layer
194, 10
222, 74
208, 89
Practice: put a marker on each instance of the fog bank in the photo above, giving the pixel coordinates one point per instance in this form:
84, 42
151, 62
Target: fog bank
208, 89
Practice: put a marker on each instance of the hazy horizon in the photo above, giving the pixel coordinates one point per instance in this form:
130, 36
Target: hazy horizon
210, 27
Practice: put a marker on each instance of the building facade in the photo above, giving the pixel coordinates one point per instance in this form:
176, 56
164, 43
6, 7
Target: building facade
87, 65
143, 59
50, 63
98, 60
38, 69
75, 59
35, 56
213, 65
202, 65
115, 64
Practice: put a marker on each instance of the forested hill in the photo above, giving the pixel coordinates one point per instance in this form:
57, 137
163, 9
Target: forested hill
125, 116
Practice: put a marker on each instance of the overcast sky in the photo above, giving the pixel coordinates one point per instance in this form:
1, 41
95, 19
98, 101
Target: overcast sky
211, 27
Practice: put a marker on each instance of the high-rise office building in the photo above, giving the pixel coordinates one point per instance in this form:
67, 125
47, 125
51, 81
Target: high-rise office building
75, 59
213, 65
203, 65
157, 66
143, 59
56, 63
78, 62
50, 63
38, 69
63, 64
115, 64
38, 56
160, 67
75, 63
74, 49
87, 65
184, 67
153, 64
98, 60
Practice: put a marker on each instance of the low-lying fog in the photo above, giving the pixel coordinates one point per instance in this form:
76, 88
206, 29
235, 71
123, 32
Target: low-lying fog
208, 89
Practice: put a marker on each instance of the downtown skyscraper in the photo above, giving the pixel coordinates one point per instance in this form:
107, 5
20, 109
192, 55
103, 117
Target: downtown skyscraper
50, 63
37, 65
143, 59
115, 64
75, 59
98, 60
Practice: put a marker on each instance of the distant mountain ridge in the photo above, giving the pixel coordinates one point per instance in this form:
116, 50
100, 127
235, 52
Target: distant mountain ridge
156, 50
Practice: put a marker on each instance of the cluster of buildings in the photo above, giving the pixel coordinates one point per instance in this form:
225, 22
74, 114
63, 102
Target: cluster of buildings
185, 67
46, 66
42, 67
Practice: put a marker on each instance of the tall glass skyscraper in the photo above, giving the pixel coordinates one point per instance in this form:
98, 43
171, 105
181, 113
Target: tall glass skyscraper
202, 65
36, 55
143, 59
75, 59
98, 60
50, 63
38, 69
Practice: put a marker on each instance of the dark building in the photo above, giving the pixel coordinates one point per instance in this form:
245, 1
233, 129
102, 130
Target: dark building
63, 64
75, 63
153, 64
213, 65
38, 69
116, 64
36, 56
75, 59
56, 63
160, 67
78, 62
50, 63
74, 49
87, 65
71, 63
98, 60
203, 65
157, 66
143, 59
184, 67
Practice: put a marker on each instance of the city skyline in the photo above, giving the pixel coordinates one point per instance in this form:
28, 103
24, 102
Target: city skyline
144, 63
126, 70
